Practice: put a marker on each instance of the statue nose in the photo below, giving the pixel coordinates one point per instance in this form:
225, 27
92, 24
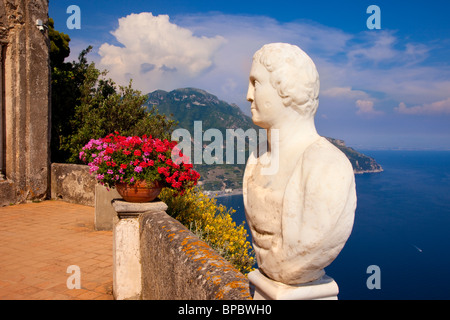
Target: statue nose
250, 91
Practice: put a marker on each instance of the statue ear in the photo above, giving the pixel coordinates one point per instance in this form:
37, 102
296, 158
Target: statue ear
293, 94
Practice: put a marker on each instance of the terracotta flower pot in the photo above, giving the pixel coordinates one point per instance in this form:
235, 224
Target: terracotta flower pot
139, 192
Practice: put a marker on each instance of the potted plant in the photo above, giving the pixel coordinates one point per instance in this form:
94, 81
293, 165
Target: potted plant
139, 167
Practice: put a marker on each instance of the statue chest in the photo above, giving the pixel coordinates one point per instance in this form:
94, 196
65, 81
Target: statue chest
265, 205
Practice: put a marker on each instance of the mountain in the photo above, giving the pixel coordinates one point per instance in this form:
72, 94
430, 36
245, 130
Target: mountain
187, 105
190, 104
360, 162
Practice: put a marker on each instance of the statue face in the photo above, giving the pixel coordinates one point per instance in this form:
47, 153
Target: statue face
267, 106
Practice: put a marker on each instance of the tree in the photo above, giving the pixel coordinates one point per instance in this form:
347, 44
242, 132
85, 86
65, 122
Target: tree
59, 45
86, 105
67, 78
105, 107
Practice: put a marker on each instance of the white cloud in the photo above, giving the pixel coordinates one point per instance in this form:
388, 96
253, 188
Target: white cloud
157, 53
435, 108
377, 47
210, 51
244, 36
365, 107
344, 92
384, 47
213, 51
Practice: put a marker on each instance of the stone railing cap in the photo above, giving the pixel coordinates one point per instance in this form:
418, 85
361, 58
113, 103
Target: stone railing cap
124, 208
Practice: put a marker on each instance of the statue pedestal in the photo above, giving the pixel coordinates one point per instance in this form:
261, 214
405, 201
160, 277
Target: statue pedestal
266, 289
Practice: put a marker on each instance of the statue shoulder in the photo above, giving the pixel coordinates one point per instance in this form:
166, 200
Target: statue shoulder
322, 157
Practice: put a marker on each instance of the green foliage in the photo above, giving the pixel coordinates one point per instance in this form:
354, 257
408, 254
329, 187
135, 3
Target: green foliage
59, 45
86, 105
105, 107
190, 104
213, 224
67, 79
187, 105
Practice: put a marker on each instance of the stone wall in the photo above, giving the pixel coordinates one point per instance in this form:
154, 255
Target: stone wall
177, 265
72, 183
25, 101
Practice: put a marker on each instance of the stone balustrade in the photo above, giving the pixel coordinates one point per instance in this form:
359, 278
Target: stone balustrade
157, 258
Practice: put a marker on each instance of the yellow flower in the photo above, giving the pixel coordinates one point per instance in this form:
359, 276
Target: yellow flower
213, 224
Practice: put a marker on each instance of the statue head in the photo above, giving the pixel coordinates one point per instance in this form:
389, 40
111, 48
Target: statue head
293, 75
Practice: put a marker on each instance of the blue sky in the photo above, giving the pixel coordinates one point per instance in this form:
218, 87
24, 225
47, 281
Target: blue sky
386, 88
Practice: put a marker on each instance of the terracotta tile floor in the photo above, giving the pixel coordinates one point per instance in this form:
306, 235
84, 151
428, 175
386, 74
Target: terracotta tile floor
39, 241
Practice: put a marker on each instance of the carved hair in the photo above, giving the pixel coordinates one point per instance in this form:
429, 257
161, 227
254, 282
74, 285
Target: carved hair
293, 74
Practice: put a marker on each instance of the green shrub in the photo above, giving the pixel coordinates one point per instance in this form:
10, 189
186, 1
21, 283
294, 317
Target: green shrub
213, 224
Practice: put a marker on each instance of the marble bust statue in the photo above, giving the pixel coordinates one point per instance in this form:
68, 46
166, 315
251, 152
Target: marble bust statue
300, 216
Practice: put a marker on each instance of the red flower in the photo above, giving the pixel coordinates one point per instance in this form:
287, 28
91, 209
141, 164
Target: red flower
145, 152
147, 147
164, 170
143, 164
176, 185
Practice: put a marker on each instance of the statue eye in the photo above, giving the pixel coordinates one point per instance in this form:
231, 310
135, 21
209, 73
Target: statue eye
253, 81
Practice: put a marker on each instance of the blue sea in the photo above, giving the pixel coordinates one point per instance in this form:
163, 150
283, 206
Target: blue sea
402, 226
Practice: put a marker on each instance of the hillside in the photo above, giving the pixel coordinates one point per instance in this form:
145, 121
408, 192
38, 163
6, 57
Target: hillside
360, 162
190, 104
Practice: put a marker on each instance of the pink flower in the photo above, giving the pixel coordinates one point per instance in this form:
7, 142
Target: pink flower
139, 154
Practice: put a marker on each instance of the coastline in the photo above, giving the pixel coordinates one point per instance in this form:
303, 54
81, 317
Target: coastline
221, 193
234, 192
368, 171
